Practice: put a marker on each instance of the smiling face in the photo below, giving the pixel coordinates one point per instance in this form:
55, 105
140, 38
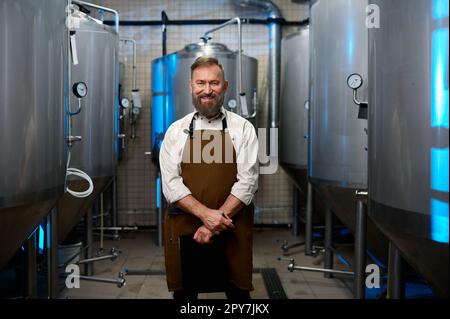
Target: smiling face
208, 88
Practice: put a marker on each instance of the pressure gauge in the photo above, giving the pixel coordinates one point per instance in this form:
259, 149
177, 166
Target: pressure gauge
354, 81
125, 103
232, 103
80, 89
136, 111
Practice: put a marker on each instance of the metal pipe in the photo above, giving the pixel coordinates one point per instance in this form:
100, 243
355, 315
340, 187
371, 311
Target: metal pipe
89, 268
239, 64
309, 227
164, 21
396, 284
328, 242
133, 42
295, 212
156, 23
120, 282
160, 212
52, 253
31, 266
360, 250
114, 206
325, 271
114, 12
112, 256
116, 228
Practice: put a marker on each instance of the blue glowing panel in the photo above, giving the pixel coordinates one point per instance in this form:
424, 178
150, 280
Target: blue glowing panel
440, 9
439, 221
439, 169
439, 85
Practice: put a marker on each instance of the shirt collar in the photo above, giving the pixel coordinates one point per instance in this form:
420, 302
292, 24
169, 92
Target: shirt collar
219, 116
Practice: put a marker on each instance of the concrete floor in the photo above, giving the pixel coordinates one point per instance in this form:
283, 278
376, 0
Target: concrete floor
139, 252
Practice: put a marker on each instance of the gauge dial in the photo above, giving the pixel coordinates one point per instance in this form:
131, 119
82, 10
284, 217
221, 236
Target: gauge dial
80, 89
125, 103
354, 81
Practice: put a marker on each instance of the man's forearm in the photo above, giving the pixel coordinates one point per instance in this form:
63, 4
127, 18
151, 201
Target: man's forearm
232, 206
191, 205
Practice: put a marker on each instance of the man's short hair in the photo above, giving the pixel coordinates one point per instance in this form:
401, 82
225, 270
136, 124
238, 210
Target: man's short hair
206, 61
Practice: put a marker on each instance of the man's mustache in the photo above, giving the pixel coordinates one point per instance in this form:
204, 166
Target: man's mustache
207, 95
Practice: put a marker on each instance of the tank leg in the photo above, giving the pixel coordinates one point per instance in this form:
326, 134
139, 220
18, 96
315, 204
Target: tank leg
114, 206
328, 258
89, 267
360, 250
396, 284
31, 267
52, 253
160, 213
308, 231
295, 212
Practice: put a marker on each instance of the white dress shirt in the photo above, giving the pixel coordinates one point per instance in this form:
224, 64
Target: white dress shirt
245, 142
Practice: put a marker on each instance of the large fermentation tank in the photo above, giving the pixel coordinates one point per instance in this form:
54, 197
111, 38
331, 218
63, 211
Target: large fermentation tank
293, 131
97, 123
338, 138
171, 98
409, 125
33, 73
338, 41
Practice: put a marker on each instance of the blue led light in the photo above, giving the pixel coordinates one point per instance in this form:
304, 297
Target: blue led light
439, 221
439, 87
41, 238
440, 9
439, 169
158, 192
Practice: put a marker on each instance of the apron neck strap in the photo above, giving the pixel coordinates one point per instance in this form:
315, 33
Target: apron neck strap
191, 126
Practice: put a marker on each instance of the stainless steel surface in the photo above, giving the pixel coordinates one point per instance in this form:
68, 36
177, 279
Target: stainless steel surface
402, 133
409, 133
293, 131
33, 64
338, 44
171, 98
97, 47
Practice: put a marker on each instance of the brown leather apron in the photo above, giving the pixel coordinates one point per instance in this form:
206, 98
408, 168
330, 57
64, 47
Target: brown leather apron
210, 183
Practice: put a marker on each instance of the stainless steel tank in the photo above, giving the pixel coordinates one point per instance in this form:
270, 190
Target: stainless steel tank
97, 123
408, 130
293, 131
338, 44
338, 138
171, 98
33, 73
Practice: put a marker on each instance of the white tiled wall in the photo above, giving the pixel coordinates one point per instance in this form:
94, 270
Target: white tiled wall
136, 174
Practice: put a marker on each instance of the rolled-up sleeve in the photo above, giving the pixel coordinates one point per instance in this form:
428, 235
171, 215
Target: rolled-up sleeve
169, 160
247, 166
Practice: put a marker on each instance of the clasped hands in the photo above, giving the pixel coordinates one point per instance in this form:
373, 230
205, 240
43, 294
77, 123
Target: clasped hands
214, 222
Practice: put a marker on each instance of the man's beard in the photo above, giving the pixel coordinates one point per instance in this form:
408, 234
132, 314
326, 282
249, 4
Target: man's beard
208, 111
